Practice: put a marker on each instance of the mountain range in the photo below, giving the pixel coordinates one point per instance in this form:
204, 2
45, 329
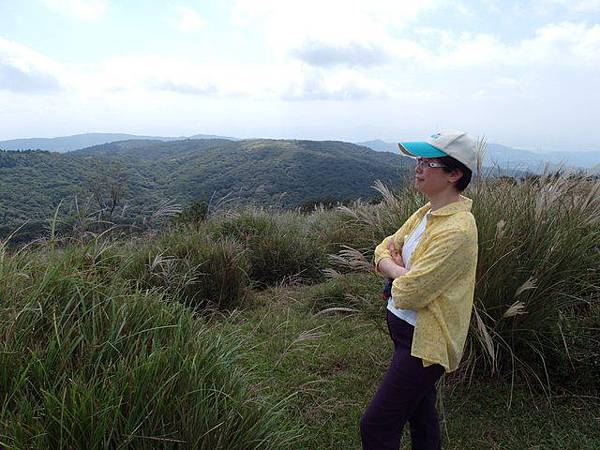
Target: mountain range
504, 158
78, 141
501, 157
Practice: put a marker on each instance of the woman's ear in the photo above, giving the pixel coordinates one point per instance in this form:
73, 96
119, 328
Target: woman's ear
455, 175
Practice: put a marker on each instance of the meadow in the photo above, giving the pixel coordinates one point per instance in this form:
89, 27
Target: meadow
253, 328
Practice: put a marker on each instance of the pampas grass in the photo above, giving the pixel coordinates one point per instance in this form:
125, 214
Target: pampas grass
538, 262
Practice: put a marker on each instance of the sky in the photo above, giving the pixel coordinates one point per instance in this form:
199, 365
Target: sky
521, 73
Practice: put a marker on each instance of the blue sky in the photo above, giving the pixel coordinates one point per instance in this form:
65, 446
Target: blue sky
522, 73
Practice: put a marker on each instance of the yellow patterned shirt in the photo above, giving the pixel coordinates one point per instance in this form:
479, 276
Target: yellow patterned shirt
441, 282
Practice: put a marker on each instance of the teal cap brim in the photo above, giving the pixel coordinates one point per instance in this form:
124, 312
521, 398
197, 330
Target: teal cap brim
422, 149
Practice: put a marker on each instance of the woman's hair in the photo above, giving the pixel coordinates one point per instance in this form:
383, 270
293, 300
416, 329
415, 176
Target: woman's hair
450, 164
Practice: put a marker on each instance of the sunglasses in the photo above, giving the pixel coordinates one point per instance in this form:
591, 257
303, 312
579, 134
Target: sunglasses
434, 165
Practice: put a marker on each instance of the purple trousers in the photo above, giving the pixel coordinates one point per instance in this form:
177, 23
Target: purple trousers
406, 394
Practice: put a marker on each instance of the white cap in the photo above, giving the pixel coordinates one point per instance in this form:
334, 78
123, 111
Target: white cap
456, 144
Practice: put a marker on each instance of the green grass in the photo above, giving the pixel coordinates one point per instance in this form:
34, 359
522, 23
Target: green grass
228, 334
91, 364
332, 364
476, 416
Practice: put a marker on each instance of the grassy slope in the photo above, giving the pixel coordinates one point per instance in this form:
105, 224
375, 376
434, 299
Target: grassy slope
332, 364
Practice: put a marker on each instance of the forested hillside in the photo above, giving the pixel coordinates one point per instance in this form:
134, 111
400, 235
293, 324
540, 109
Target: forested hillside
129, 180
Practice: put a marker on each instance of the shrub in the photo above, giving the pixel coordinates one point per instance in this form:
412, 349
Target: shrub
193, 214
192, 267
375, 222
347, 290
335, 231
278, 246
581, 334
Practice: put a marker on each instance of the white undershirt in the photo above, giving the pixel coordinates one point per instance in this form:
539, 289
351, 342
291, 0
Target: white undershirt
408, 248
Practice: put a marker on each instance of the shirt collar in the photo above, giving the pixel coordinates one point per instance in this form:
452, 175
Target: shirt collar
463, 205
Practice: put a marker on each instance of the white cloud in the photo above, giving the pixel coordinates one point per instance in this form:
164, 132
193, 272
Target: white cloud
189, 20
565, 44
576, 6
316, 84
319, 70
150, 75
23, 70
319, 54
361, 35
289, 24
505, 83
181, 88
79, 9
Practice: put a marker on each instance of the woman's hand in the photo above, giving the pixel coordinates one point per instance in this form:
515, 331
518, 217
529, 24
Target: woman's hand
396, 255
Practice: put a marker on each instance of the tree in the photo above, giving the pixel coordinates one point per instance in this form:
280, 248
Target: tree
107, 187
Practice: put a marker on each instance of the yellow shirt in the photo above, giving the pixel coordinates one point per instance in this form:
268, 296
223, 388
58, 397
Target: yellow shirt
441, 282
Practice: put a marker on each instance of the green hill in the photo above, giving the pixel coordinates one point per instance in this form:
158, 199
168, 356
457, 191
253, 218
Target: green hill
79, 141
149, 173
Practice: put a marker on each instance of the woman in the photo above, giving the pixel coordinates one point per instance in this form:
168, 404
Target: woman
431, 263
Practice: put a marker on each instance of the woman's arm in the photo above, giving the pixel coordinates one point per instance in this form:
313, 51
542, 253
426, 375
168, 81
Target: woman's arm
389, 269
383, 250
392, 267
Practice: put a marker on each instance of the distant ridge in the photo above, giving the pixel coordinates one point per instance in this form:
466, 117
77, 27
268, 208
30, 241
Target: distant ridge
69, 143
504, 157
497, 155
380, 146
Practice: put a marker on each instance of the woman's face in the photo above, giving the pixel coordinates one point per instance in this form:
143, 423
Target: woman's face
433, 180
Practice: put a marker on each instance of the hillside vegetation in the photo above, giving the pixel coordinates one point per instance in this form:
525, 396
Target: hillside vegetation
126, 182
259, 328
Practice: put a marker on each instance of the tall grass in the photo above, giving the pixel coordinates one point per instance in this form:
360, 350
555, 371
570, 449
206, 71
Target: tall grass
538, 270
351, 290
192, 267
279, 245
375, 222
334, 231
87, 362
539, 261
